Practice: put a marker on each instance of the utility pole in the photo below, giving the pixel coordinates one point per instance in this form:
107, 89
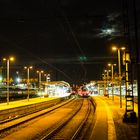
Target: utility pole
130, 115
137, 62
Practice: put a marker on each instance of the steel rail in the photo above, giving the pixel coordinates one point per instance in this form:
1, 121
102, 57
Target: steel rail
62, 124
37, 114
74, 137
42, 105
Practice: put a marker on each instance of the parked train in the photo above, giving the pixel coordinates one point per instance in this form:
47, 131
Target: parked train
17, 93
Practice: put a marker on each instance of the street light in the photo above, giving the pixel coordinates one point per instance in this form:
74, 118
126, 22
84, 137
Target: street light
107, 78
47, 77
8, 69
28, 78
119, 69
112, 77
104, 78
39, 73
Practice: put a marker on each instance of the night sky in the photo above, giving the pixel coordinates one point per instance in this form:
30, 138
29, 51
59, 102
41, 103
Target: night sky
54, 35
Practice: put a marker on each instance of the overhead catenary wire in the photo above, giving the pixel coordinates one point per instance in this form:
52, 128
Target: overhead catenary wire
18, 46
74, 38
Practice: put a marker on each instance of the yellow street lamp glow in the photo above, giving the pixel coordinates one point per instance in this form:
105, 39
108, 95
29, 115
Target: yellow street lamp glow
11, 58
39, 79
122, 48
114, 48
40, 71
119, 69
28, 79
4, 59
107, 70
25, 67
30, 67
112, 76
8, 77
109, 64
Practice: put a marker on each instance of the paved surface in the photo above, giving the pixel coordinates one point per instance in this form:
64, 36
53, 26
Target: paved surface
109, 123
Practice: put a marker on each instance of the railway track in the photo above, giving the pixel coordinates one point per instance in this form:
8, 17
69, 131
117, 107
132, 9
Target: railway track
76, 126
51, 123
10, 124
21, 111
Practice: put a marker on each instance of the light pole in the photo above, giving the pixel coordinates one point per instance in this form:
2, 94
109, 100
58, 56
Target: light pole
112, 77
119, 69
107, 78
8, 69
104, 78
46, 76
39, 74
28, 79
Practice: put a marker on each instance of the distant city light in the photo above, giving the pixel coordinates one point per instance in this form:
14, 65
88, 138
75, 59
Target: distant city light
0, 79
18, 80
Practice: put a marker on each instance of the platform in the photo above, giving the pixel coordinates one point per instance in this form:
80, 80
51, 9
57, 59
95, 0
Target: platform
109, 123
13, 104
